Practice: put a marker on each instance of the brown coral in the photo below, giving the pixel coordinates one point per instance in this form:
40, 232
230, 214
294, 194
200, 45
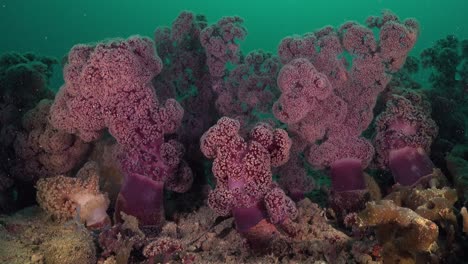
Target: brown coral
434, 204
403, 233
64, 197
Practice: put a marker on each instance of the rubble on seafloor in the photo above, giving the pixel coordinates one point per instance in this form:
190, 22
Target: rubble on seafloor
402, 234
31, 237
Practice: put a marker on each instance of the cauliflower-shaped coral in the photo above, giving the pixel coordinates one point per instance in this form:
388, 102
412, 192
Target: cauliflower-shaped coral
244, 184
65, 197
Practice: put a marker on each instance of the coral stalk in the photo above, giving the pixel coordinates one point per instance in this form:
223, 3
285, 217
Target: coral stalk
408, 165
142, 198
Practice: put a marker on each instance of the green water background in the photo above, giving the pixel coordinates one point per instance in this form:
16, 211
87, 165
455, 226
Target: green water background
52, 27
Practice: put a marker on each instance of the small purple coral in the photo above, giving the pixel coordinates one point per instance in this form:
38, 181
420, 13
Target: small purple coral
244, 186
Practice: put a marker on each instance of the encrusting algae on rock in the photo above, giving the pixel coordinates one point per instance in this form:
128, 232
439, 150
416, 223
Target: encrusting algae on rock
30, 237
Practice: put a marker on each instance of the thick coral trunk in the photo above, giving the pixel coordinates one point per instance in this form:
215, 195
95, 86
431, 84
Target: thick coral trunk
141, 197
348, 186
409, 165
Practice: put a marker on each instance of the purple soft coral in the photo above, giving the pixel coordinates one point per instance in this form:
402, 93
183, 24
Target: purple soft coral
185, 76
109, 86
43, 151
244, 185
107, 83
149, 170
250, 88
219, 41
328, 100
404, 135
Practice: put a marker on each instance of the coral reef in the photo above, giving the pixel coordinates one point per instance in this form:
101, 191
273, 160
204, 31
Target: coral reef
204, 154
414, 223
433, 204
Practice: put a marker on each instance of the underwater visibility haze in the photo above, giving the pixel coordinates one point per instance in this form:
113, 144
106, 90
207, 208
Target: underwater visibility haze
233, 131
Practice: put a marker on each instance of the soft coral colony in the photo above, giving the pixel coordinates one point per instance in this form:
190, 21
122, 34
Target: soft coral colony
160, 113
